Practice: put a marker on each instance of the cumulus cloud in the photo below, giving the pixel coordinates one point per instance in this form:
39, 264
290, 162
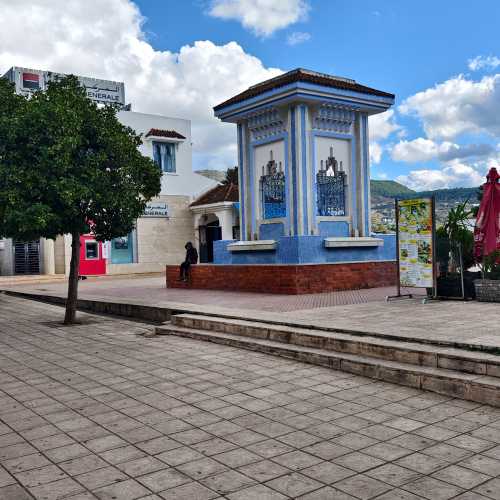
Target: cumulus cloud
421, 149
262, 17
297, 37
457, 106
483, 62
81, 39
380, 127
455, 174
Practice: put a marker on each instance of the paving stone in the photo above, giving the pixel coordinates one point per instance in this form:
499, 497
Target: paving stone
326, 493
101, 477
204, 467
14, 492
36, 477
327, 472
82, 465
480, 463
179, 456
68, 452
491, 489
126, 490
362, 486
237, 458
56, 490
25, 463
432, 489
227, 482
294, 484
141, 466
264, 470
296, 460
424, 464
269, 448
387, 451
358, 462
258, 492
189, 491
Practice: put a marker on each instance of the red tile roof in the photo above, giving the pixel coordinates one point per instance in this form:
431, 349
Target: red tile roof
158, 132
218, 194
303, 75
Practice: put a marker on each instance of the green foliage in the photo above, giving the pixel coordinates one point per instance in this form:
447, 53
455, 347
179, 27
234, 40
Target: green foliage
490, 267
231, 176
389, 189
65, 163
452, 195
460, 236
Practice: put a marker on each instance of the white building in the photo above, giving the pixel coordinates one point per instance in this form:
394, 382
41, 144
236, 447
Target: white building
160, 235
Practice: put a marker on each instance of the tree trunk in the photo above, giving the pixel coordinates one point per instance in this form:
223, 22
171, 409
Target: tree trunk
74, 268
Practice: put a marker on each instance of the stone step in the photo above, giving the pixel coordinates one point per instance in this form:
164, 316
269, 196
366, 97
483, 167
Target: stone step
420, 354
471, 387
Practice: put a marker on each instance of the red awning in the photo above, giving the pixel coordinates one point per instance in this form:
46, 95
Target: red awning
487, 230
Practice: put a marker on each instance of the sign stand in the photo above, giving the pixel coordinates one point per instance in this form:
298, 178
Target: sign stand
398, 260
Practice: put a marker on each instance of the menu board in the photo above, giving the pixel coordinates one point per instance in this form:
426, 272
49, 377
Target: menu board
415, 228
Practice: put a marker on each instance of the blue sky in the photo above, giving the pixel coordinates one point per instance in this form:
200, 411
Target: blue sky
441, 58
399, 46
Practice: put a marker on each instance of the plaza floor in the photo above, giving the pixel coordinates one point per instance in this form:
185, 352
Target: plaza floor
473, 323
98, 411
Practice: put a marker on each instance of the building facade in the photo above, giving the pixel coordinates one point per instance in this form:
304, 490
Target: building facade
304, 171
159, 235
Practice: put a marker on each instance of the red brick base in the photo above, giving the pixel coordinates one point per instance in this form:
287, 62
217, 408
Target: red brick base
291, 279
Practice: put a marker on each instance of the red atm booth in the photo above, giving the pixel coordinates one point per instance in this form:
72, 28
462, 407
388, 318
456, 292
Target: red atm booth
92, 257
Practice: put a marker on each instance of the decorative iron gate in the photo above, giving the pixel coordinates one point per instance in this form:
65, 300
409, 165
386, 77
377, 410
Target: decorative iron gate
330, 188
27, 257
272, 190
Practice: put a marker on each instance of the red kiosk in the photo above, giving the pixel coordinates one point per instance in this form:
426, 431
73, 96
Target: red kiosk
92, 256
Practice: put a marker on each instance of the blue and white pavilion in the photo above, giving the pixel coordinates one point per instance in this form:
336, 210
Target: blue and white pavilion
304, 172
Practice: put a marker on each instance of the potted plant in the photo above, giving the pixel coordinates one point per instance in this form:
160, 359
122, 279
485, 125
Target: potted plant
488, 287
455, 254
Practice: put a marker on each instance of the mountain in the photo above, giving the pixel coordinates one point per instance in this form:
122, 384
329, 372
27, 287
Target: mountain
389, 189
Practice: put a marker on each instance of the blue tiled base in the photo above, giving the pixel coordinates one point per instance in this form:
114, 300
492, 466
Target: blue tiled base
306, 250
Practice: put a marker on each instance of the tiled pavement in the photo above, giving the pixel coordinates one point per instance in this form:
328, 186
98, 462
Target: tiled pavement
152, 290
97, 411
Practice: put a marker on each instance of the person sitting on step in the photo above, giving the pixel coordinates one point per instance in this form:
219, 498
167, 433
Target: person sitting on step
191, 259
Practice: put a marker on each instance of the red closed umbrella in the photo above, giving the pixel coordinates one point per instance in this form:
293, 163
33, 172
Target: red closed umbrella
487, 230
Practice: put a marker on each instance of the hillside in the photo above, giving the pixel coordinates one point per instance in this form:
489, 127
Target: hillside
389, 189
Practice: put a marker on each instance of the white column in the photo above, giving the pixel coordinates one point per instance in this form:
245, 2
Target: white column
226, 223
49, 261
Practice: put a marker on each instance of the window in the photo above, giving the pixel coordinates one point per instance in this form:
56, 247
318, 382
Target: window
164, 156
91, 250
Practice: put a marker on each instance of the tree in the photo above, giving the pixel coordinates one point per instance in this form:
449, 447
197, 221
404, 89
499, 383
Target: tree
231, 176
68, 166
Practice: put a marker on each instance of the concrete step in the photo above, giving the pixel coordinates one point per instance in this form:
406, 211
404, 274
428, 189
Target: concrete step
402, 351
472, 387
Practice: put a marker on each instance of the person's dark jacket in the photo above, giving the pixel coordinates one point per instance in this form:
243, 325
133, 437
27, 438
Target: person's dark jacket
192, 255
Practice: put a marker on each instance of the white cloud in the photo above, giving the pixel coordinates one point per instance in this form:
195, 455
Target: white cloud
421, 149
262, 17
380, 127
74, 36
456, 174
376, 151
483, 62
457, 106
298, 37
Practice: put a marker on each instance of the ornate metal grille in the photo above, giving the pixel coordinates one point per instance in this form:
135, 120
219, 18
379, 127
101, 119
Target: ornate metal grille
272, 190
330, 188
